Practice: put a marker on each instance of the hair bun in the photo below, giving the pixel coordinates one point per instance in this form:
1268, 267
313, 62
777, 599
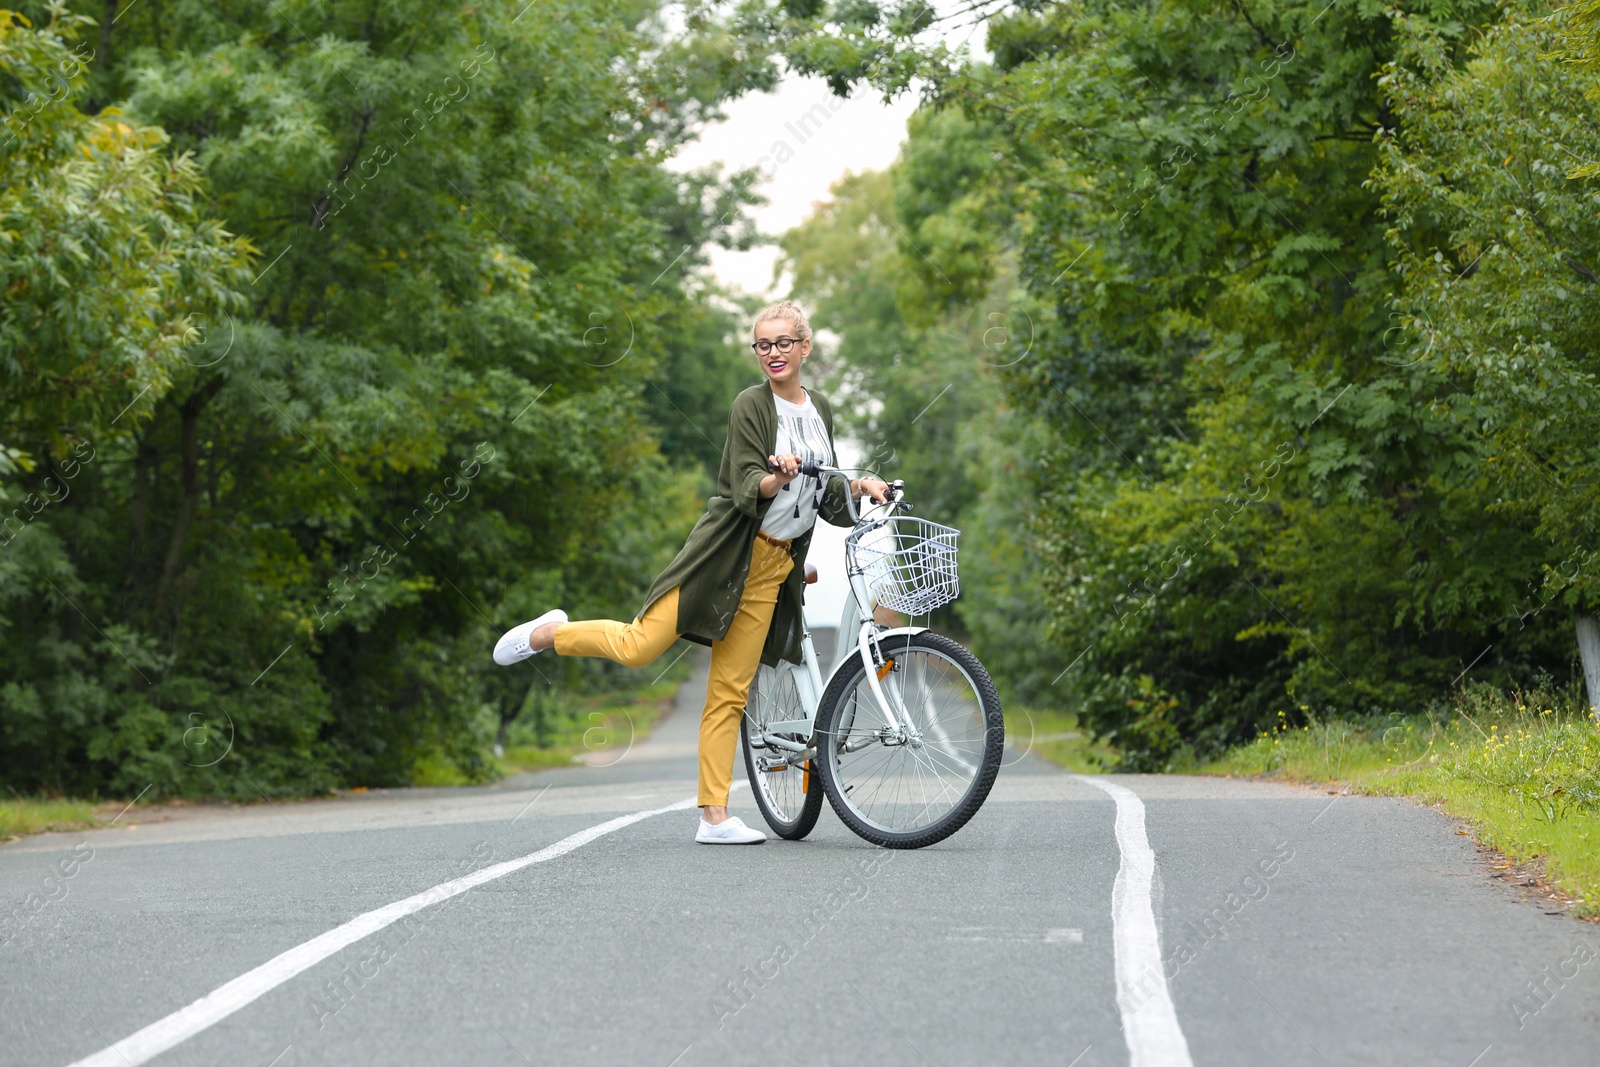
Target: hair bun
786, 309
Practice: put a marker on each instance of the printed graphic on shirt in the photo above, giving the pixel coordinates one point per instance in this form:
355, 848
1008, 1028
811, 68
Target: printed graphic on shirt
801, 432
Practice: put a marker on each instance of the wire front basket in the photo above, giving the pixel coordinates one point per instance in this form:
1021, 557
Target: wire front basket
909, 563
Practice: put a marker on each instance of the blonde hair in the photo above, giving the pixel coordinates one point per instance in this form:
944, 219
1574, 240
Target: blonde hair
785, 309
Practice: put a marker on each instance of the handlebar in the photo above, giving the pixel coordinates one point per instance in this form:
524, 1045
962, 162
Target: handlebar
811, 469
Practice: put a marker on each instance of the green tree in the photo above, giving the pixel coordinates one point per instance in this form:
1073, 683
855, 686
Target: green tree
109, 266
1250, 499
1498, 251
413, 428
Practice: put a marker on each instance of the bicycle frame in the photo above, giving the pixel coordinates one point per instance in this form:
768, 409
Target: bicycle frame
807, 675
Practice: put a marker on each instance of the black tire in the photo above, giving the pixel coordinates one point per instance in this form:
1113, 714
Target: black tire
836, 719
791, 812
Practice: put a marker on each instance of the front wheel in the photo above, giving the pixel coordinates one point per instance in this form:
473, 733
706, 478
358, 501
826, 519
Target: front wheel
790, 797
913, 786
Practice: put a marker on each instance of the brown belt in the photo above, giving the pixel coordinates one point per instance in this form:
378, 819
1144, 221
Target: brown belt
769, 539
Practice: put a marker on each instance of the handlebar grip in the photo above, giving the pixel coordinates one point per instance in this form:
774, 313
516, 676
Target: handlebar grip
808, 468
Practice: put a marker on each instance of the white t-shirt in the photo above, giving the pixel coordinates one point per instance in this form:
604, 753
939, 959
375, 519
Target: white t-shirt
801, 432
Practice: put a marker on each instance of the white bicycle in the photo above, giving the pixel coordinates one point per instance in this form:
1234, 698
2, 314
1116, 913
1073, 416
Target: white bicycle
906, 737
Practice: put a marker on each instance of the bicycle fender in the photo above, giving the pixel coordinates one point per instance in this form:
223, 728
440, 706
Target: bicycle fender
882, 635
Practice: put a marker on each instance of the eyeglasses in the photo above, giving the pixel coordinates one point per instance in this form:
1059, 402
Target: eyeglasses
782, 344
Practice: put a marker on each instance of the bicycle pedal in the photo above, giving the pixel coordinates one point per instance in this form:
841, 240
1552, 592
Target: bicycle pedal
775, 770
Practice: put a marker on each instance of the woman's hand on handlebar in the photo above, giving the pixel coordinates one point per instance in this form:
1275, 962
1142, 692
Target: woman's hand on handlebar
785, 464
785, 469
877, 490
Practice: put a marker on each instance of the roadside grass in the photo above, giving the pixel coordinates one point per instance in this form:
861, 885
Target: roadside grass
599, 728
35, 815
1522, 768
436, 769
1057, 737
564, 728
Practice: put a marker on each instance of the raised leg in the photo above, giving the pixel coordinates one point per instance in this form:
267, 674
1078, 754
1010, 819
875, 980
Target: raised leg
632, 644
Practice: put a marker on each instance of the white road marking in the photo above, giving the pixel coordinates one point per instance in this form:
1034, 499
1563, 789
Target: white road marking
1149, 1021
1064, 935
226, 999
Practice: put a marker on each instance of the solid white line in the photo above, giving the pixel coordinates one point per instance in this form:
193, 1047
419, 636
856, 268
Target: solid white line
226, 999
1149, 1021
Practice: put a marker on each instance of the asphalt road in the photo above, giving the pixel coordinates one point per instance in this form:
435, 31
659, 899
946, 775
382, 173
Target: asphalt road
1294, 928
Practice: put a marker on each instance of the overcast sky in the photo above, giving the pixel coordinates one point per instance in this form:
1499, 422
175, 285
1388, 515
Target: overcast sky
803, 137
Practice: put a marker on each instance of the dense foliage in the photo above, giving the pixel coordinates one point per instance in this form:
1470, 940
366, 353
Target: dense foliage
1498, 249
1249, 343
338, 337
1311, 283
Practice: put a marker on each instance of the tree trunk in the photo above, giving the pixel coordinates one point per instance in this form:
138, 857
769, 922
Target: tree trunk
138, 506
105, 33
189, 502
1589, 651
144, 467
541, 718
503, 735
509, 713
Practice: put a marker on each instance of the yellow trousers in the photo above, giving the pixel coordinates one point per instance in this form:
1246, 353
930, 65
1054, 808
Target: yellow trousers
734, 659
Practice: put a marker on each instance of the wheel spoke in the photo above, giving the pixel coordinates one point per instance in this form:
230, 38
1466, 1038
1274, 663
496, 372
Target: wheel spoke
780, 794
906, 787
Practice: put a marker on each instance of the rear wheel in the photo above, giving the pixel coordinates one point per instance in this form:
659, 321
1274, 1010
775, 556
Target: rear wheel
912, 787
790, 797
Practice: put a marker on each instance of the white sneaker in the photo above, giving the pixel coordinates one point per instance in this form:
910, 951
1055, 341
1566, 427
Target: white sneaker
513, 644
730, 831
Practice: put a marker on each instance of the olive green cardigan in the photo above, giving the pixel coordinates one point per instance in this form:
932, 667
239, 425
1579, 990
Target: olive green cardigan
710, 569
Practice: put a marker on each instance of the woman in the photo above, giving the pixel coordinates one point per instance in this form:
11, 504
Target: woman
736, 585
